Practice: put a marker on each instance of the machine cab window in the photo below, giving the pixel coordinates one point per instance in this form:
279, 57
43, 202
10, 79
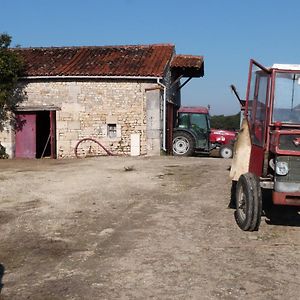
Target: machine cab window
183, 120
199, 122
286, 98
257, 103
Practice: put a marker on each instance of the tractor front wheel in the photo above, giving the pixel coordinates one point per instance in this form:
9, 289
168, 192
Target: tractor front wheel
248, 202
226, 151
183, 144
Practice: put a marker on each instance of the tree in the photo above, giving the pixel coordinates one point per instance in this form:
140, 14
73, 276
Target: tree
226, 122
11, 93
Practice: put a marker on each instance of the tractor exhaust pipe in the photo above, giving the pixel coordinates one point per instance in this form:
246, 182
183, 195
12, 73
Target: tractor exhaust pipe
234, 90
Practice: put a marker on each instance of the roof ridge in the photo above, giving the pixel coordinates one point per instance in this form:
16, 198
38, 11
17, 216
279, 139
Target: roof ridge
188, 55
95, 47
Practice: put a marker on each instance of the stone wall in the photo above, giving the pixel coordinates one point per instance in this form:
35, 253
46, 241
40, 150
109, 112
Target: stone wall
109, 111
7, 139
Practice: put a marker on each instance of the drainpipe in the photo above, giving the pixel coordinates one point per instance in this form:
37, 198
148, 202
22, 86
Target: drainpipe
164, 114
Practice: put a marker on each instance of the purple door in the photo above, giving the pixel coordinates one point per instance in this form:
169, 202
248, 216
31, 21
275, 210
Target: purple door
26, 138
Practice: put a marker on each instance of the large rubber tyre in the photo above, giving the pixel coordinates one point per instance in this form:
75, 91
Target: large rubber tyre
183, 144
248, 202
226, 151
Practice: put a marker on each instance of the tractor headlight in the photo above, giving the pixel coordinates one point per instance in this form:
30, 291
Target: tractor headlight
282, 168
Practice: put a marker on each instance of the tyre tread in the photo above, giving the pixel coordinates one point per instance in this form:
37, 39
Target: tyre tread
250, 185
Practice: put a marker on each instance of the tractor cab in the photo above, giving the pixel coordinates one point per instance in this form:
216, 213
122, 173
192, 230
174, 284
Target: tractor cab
267, 150
191, 133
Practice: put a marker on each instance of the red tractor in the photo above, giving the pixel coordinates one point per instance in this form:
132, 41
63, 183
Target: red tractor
193, 134
266, 156
224, 141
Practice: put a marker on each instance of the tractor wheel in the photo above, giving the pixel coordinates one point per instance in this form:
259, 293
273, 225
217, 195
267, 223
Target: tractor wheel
183, 144
226, 151
248, 202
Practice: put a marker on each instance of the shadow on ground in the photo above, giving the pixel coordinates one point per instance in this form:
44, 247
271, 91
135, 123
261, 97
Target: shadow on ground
2, 269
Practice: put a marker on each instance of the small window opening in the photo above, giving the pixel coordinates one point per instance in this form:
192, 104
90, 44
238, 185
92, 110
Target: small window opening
112, 130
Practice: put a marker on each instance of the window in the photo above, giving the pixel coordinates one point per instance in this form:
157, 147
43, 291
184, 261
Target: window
257, 104
183, 120
112, 130
199, 121
287, 98
257, 93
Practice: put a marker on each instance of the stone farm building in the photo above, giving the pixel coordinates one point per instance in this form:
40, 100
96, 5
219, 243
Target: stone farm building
122, 96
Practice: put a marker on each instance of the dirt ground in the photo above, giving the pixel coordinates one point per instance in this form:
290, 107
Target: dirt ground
136, 228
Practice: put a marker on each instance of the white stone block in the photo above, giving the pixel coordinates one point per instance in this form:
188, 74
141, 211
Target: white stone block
135, 144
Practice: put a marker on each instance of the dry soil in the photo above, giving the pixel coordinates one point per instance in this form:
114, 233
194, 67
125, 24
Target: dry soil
137, 228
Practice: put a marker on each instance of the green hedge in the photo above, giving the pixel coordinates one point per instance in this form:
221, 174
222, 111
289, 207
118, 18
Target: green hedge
225, 122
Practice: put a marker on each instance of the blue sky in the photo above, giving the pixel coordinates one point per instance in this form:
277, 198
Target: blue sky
226, 32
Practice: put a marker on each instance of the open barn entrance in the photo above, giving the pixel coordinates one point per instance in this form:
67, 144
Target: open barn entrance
43, 148
36, 136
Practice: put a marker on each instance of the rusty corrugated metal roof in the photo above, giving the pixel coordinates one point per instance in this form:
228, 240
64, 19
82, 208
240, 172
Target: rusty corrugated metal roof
187, 61
188, 65
140, 60
193, 109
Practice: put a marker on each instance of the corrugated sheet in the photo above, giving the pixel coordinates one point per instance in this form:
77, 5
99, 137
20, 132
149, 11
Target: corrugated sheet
187, 61
188, 65
141, 60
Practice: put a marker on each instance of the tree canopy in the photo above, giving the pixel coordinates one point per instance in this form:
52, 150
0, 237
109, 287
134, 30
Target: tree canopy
11, 67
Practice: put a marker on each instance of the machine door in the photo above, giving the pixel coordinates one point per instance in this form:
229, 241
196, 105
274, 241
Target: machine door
257, 114
200, 126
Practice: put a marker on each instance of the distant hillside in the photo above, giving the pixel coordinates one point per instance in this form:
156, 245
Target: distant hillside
225, 122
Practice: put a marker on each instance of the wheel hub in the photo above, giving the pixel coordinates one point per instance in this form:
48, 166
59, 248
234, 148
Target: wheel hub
242, 203
181, 145
226, 153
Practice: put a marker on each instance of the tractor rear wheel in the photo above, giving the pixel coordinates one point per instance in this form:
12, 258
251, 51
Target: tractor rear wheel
248, 202
226, 151
183, 144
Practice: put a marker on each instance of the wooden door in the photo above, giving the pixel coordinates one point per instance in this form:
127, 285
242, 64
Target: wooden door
170, 127
26, 137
